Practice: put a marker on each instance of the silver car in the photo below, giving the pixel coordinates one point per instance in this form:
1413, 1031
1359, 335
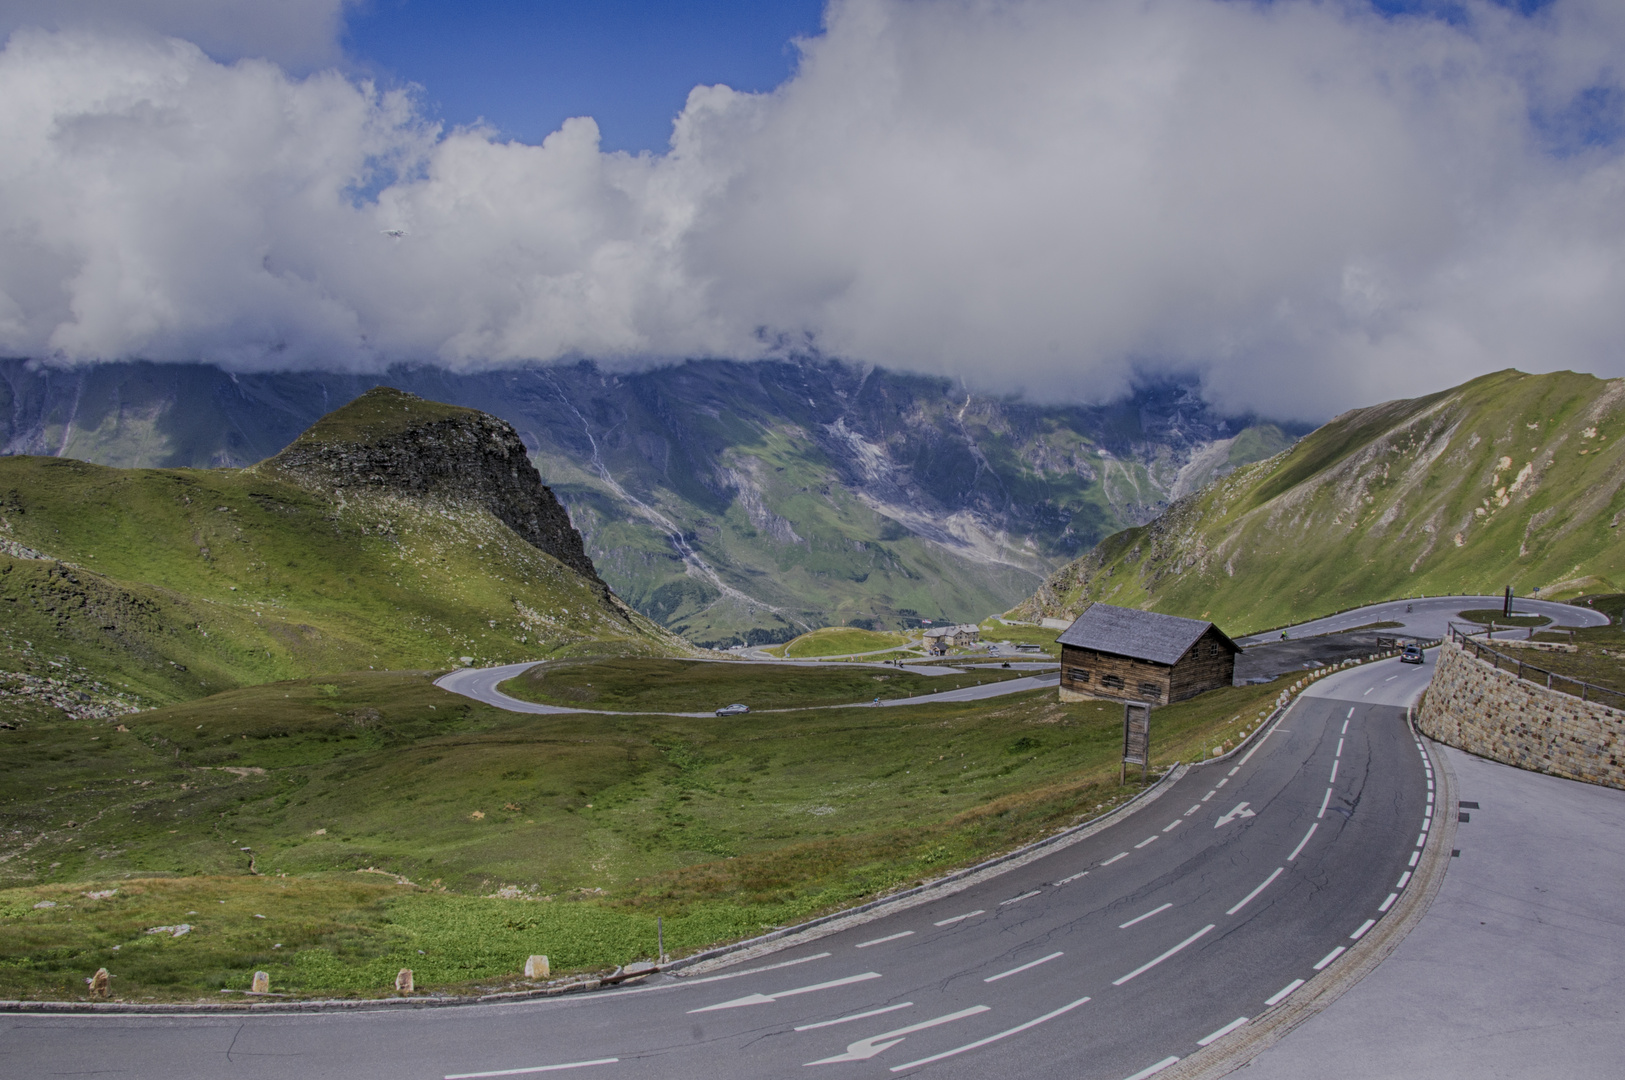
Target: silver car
735, 709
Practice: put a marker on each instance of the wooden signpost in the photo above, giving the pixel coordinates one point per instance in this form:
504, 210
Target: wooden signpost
1136, 738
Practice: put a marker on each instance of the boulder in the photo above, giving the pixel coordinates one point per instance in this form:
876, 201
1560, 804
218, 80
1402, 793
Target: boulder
261, 984
101, 984
537, 968
403, 981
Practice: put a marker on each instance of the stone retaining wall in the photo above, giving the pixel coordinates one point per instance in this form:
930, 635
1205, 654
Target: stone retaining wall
1497, 715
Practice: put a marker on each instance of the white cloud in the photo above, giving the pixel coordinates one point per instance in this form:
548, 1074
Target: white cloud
298, 33
1313, 205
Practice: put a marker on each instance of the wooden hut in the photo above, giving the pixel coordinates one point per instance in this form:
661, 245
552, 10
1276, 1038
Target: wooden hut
1124, 654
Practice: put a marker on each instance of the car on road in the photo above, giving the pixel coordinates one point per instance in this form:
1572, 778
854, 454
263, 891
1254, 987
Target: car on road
1411, 654
735, 709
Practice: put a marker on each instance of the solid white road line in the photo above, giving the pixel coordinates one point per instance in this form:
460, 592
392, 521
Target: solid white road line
1222, 1032
1144, 842
1023, 967
1019, 899
1258, 890
1147, 915
855, 1016
1114, 858
1329, 957
1146, 1074
768, 999
1143, 968
864, 1049
1360, 933
1313, 825
1388, 903
960, 918
883, 940
532, 1069
1333, 778
991, 1038
1325, 803
1281, 994
1074, 877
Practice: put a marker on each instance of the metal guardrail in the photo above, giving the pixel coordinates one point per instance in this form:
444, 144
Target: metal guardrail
1585, 691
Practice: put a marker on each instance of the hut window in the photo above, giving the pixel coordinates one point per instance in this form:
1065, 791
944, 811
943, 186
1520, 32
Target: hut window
1080, 675
1114, 682
1150, 689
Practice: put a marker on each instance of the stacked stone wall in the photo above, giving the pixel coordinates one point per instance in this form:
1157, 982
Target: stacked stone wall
1497, 715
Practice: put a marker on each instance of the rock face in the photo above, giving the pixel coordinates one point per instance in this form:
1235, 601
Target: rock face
390, 441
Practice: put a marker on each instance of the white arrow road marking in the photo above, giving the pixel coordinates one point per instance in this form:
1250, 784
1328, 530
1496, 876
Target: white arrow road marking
768, 999
533, 1069
864, 1049
1240, 811
991, 1038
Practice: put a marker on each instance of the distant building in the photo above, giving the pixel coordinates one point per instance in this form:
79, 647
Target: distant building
1123, 654
939, 639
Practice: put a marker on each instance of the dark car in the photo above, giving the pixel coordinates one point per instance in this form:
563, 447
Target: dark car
1411, 654
733, 710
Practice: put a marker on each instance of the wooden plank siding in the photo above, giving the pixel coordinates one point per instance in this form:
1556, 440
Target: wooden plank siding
1089, 673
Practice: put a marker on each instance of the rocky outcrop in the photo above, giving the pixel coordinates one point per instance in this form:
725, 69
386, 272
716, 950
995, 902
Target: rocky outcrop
390, 441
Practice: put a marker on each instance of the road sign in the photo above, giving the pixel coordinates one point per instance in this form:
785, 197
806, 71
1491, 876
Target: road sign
1136, 737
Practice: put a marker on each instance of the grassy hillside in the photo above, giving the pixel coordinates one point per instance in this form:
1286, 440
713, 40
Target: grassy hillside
174, 583
563, 835
1510, 479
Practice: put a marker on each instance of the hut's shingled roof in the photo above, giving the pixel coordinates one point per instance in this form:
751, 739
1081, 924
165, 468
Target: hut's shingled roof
1142, 635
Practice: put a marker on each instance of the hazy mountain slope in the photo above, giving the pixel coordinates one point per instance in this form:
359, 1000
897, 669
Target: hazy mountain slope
726, 500
171, 583
1510, 479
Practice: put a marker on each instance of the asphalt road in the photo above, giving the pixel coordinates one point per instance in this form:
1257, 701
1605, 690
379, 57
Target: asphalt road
1127, 949
1430, 615
481, 685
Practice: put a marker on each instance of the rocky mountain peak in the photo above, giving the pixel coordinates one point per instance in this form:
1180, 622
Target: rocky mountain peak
387, 440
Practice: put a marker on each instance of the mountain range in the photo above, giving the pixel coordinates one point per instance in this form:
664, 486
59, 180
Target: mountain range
1510, 480
729, 502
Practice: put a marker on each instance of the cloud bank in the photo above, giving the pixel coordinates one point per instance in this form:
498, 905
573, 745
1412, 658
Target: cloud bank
1308, 204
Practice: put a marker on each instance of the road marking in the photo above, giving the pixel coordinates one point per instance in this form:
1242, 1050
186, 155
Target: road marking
1147, 915
1146, 1074
1329, 957
1351, 712
1333, 778
1422, 838
1339, 748
1074, 877
1430, 783
1403, 879
752, 971
1114, 858
1018, 899
1144, 842
1325, 803
1023, 967
1281, 994
1360, 933
1194, 807
855, 1016
1430, 796
1170, 826
1414, 856
1210, 795
533, 1069
1143, 968
1221, 783
960, 918
864, 1049
1390, 678
1368, 690
883, 940
1240, 811
1234, 771
1313, 825
1345, 730
1222, 1032
1258, 890
768, 999
1388, 903
991, 1038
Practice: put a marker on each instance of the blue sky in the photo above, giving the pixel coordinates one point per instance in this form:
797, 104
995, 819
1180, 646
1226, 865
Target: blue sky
524, 66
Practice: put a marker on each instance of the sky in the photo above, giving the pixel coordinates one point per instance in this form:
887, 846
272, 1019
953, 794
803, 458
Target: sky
1307, 205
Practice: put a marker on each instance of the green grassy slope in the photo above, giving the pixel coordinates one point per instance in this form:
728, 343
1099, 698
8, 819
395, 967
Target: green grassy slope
593, 824
1510, 479
174, 583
